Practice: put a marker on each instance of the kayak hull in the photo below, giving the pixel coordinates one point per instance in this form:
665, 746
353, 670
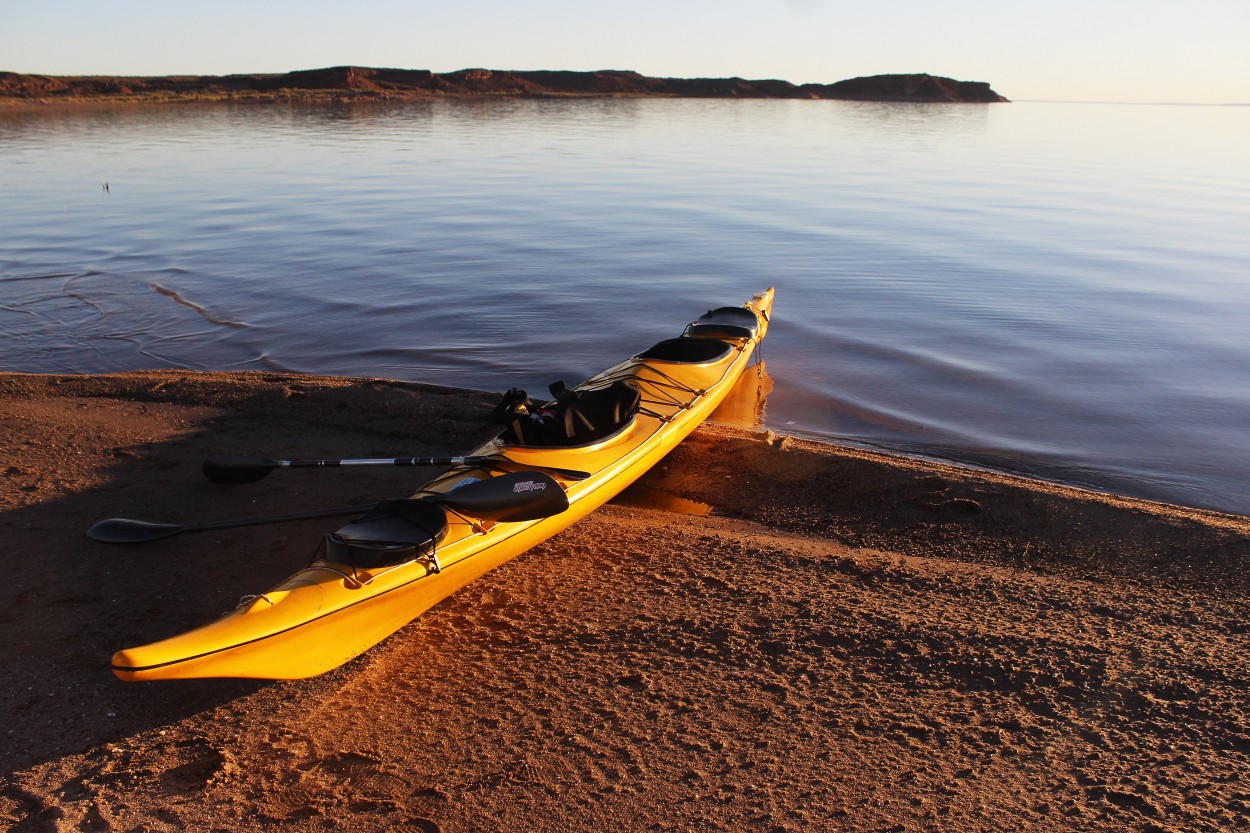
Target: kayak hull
327, 614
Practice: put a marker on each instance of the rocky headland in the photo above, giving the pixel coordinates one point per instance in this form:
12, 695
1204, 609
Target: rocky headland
342, 83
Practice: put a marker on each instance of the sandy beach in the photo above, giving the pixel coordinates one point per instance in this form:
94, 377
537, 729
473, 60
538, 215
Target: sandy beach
763, 633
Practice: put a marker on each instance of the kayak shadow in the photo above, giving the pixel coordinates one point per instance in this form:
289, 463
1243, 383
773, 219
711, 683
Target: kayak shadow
69, 603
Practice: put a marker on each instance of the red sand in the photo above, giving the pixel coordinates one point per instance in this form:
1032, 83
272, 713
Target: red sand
851, 641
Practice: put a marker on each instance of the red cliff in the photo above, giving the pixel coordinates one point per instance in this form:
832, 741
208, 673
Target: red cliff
366, 83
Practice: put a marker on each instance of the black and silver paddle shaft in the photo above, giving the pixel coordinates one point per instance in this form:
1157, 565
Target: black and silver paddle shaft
236, 470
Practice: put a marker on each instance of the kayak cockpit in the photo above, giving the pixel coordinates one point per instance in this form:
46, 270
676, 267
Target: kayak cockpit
685, 350
393, 532
576, 417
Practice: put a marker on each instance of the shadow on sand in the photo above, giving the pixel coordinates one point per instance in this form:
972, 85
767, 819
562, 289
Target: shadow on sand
68, 603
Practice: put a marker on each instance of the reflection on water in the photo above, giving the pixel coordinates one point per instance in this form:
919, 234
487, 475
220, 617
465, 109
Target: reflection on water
1053, 289
743, 407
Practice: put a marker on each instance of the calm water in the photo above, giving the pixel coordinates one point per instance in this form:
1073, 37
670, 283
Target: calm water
1052, 289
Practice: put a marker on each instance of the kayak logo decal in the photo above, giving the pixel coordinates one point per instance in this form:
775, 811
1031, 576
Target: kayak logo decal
528, 486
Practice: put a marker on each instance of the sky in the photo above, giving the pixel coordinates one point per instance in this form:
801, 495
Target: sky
1192, 51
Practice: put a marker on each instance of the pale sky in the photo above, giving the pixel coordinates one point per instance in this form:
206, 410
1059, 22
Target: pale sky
1077, 50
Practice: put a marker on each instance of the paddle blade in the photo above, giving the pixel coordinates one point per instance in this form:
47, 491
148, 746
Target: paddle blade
509, 498
125, 531
235, 470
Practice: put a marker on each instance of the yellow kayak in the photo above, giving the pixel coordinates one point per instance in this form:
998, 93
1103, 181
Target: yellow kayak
381, 571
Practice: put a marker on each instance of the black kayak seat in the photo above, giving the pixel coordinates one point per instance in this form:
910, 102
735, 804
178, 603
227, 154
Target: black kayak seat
725, 322
393, 532
686, 350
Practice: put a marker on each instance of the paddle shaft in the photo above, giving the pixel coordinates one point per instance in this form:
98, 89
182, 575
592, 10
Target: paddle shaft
375, 461
275, 519
129, 531
571, 474
236, 470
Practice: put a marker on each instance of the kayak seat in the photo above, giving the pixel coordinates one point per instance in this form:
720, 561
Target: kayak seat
393, 532
725, 322
576, 417
686, 350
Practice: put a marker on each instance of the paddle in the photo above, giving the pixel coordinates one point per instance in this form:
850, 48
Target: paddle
508, 498
235, 470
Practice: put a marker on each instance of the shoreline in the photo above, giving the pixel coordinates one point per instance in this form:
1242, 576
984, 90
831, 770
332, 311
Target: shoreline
764, 630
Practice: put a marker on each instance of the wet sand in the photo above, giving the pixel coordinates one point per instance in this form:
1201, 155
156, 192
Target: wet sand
763, 633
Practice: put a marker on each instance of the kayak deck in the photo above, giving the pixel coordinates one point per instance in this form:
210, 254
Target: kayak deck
328, 613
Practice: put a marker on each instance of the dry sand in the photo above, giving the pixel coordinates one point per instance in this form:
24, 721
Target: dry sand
851, 641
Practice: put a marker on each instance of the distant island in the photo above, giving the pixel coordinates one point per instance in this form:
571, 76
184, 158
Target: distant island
365, 83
